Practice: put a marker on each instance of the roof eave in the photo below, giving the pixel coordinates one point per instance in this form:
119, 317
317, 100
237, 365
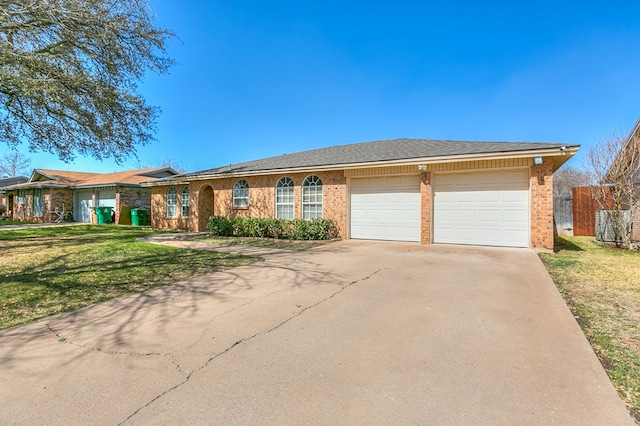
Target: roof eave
104, 185
566, 151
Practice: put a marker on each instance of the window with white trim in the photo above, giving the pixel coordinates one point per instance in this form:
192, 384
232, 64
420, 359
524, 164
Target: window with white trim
184, 202
312, 198
172, 202
284, 199
38, 203
241, 194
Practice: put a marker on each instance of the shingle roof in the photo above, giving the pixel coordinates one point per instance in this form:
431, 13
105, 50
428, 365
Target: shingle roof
44, 178
129, 177
378, 151
59, 177
4, 182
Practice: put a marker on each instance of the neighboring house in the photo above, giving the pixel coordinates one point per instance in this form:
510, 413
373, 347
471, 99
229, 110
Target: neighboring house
429, 191
633, 144
51, 195
5, 207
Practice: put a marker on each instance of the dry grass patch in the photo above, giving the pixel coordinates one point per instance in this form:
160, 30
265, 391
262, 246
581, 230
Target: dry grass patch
51, 270
601, 285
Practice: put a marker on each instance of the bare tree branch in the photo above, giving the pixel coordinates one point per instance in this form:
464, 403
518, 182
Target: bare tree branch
566, 178
14, 164
615, 166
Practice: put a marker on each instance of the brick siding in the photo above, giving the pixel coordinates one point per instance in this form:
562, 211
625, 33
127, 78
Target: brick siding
261, 200
219, 201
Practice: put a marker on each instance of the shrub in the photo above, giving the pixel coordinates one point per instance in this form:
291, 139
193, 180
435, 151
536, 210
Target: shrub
221, 226
316, 229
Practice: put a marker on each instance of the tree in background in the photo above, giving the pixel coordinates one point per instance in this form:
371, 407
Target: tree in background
14, 164
566, 178
614, 167
170, 162
69, 71
166, 162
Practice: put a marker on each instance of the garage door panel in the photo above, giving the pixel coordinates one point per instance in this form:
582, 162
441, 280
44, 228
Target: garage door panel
515, 197
482, 208
465, 215
516, 217
82, 209
514, 237
465, 197
386, 208
488, 216
490, 197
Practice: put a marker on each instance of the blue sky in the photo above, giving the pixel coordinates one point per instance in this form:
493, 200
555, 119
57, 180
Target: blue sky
255, 79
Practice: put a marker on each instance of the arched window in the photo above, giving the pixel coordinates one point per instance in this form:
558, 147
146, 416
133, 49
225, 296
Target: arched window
284, 199
241, 194
184, 202
172, 202
312, 198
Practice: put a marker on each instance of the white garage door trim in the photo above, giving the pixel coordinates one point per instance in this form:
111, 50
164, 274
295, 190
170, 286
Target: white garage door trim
385, 208
482, 208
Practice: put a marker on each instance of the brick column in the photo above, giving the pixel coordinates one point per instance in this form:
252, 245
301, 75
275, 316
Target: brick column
425, 208
541, 184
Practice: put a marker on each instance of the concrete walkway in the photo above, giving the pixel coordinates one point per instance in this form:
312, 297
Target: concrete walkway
39, 225
347, 333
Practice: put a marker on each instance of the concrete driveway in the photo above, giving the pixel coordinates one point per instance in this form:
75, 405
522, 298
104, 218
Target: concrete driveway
352, 332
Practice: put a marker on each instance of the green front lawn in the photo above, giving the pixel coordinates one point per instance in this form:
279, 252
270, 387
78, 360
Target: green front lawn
46, 271
601, 285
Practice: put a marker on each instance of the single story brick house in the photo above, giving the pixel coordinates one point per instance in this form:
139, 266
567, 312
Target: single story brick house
55, 195
429, 191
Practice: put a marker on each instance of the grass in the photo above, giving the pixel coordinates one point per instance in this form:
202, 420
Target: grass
46, 271
601, 285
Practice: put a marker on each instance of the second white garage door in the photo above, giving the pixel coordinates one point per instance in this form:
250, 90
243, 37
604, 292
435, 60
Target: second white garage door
386, 208
482, 208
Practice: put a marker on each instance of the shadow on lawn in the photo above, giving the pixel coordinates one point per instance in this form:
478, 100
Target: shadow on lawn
120, 326
561, 244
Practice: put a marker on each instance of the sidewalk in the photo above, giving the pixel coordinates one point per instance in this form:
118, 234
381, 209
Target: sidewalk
38, 225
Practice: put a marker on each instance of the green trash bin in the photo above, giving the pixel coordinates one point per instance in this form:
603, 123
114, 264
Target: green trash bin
103, 214
138, 217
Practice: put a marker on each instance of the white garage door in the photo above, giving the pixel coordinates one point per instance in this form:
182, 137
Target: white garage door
483, 208
107, 198
386, 208
82, 210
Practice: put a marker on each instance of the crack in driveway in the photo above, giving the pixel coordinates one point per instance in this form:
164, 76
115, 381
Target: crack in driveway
247, 339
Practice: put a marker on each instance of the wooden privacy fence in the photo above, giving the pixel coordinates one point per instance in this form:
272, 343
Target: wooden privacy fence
563, 214
585, 207
584, 212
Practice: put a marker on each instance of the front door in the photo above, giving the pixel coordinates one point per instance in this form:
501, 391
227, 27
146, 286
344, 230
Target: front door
205, 207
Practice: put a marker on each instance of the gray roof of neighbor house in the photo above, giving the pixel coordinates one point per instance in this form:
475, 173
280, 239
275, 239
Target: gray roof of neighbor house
4, 182
392, 151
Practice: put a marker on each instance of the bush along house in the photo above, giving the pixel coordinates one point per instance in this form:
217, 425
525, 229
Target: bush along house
428, 191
